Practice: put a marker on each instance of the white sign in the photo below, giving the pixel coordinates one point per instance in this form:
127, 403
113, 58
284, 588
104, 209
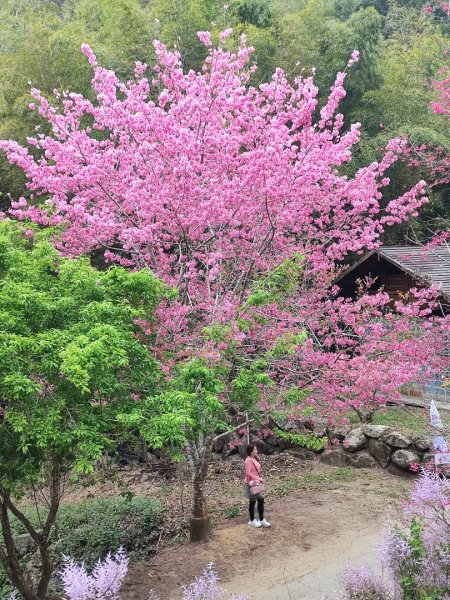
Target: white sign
442, 458
435, 416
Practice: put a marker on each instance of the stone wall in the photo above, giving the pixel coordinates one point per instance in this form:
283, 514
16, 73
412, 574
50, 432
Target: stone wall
372, 445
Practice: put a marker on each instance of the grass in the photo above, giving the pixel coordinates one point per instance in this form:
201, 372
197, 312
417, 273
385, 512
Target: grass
291, 483
231, 512
412, 421
405, 419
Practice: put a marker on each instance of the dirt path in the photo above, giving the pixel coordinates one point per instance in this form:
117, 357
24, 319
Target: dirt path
315, 533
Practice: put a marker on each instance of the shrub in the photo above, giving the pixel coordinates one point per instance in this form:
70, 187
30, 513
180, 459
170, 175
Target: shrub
107, 576
89, 531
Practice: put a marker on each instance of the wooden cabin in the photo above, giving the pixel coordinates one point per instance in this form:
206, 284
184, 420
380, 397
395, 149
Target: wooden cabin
396, 269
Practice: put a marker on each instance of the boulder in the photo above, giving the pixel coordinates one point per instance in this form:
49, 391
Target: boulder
396, 440
335, 458
337, 433
376, 431
263, 448
320, 427
217, 445
362, 460
24, 544
302, 453
242, 451
272, 440
428, 460
380, 451
355, 440
233, 439
423, 443
404, 458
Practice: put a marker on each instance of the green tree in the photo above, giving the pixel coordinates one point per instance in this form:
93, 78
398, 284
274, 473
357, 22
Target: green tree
321, 37
71, 361
413, 52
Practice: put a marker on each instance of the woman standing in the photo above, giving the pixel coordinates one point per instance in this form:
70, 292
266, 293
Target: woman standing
254, 487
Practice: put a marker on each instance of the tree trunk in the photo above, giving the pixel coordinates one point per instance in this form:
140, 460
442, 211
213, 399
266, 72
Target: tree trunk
8, 554
200, 524
198, 455
10, 560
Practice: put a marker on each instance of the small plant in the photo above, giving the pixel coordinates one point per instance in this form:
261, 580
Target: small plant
342, 473
105, 580
308, 440
231, 512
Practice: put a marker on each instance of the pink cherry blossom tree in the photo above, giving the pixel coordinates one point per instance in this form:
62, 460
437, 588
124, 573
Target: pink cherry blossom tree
234, 196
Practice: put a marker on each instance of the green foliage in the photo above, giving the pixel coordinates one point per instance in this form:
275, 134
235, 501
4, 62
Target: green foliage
308, 440
90, 530
40, 43
190, 407
276, 284
70, 356
255, 12
248, 385
231, 512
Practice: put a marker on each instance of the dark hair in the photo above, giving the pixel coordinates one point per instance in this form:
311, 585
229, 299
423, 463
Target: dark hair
250, 449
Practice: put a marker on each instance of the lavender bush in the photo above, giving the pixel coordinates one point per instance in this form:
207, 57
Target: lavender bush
105, 581
415, 557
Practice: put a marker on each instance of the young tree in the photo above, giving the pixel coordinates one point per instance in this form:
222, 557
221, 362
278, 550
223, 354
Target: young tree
71, 362
225, 191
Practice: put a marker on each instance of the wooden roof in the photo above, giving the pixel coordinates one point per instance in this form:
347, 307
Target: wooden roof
428, 265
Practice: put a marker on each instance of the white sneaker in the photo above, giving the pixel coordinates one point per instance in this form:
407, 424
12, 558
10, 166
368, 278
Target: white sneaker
264, 523
254, 523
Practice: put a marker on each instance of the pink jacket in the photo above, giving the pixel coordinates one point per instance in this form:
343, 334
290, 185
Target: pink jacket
252, 470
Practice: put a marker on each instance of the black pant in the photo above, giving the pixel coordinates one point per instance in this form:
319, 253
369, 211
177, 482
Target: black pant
251, 508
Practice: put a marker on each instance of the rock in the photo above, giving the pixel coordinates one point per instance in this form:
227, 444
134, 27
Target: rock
380, 451
24, 544
355, 440
302, 453
145, 477
404, 458
233, 439
263, 448
423, 443
362, 460
271, 449
272, 440
396, 440
428, 460
376, 431
337, 434
320, 427
335, 458
217, 445
242, 451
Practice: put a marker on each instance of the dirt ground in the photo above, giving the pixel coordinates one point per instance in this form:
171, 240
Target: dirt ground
323, 518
